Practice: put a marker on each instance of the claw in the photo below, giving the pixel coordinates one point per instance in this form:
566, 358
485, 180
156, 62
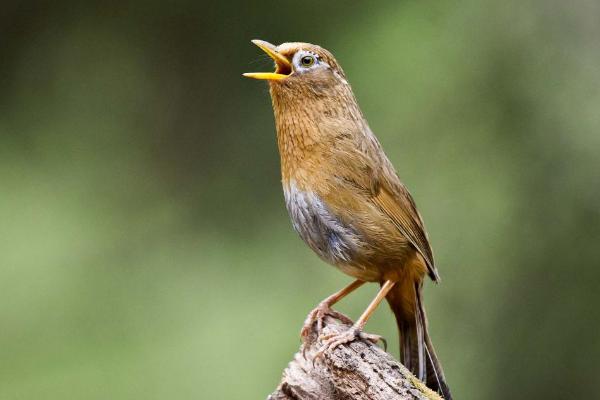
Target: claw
382, 339
318, 315
332, 340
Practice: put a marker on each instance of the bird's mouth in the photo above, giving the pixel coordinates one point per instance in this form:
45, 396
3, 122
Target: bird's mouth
283, 66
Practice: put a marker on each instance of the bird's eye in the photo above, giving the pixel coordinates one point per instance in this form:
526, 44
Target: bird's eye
307, 61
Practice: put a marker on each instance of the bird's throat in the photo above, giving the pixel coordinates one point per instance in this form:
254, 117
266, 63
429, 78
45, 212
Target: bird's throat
309, 126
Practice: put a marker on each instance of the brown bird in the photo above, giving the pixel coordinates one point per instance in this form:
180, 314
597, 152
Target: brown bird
346, 201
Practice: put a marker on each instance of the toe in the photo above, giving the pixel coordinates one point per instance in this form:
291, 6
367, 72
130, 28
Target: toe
373, 338
341, 317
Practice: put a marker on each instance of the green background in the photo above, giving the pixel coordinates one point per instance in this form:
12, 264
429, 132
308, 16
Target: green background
145, 250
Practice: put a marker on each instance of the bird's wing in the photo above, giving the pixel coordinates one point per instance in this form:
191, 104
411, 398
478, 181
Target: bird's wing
371, 170
393, 199
399, 205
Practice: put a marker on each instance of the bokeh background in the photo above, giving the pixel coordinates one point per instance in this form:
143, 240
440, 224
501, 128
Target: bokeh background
145, 249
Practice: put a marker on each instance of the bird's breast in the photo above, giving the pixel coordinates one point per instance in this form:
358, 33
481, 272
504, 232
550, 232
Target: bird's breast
323, 232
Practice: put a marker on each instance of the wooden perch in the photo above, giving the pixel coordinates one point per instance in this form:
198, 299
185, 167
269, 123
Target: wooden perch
358, 370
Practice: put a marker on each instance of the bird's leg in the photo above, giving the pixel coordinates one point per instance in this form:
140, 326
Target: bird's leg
324, 308
331, 341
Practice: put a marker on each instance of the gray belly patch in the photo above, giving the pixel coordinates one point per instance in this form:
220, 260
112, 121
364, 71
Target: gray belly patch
322, 231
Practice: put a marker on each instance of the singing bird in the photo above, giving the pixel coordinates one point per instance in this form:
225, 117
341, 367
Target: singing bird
346, 201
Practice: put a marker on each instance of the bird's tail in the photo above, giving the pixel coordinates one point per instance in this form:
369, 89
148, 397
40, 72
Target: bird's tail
416, 350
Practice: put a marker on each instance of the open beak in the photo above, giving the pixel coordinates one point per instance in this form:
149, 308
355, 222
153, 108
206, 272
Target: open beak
283, 67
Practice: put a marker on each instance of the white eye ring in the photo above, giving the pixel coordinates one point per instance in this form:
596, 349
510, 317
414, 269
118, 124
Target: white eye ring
307, 61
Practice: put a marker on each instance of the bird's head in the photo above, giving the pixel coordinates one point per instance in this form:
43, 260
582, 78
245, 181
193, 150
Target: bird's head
300, 66
312, 101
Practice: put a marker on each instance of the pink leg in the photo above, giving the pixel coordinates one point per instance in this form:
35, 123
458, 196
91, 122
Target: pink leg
324, 308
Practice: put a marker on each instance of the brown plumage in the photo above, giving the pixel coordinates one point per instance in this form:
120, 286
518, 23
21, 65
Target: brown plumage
346, 200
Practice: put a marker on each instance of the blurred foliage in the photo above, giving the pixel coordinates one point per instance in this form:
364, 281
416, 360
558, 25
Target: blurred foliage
146, 251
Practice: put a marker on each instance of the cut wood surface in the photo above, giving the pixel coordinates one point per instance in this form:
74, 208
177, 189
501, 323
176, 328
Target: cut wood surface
357, 370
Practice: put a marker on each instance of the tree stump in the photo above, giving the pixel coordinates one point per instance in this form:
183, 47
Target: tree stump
357, 370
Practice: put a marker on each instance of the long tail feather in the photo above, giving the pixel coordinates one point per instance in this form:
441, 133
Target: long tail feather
416, 350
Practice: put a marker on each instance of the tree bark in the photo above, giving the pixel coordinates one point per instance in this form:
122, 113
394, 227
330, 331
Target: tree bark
357, 370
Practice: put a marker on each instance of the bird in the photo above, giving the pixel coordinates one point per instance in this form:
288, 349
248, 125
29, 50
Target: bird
347, 203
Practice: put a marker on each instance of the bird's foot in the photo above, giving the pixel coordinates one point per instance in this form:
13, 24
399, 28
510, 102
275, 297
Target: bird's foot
318, 315
333, 340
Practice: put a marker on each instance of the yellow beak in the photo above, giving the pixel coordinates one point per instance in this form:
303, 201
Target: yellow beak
283, 67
